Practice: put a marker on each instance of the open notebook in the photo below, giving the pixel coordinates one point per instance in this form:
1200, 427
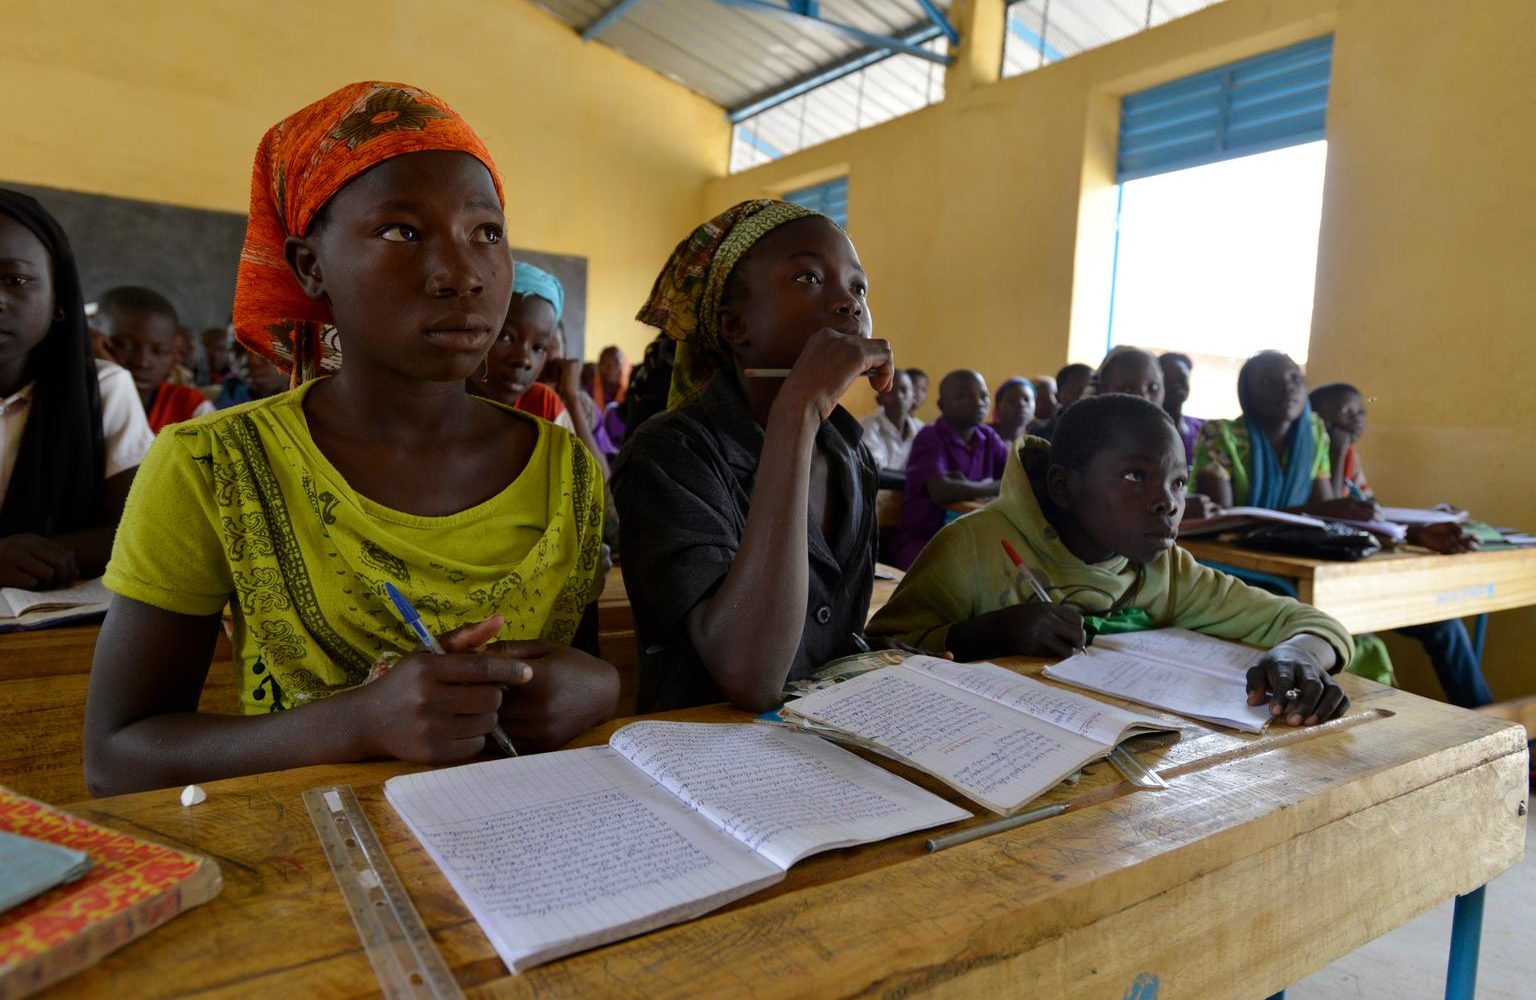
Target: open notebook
560, 852
997, 737
23, 609
1173, 669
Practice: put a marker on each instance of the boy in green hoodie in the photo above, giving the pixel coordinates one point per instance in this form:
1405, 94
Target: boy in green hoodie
1095, 514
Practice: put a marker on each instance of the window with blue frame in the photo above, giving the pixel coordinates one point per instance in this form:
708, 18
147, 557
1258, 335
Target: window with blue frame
830, 199
1220, 204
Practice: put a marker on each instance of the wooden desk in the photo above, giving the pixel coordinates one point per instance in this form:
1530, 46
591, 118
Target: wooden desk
44, 676
1267, 858
1393, 589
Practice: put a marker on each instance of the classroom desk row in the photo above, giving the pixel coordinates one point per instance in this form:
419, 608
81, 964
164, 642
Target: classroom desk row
1266, 858
44, 676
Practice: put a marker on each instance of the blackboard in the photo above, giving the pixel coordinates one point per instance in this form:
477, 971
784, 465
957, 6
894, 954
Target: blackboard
189, 255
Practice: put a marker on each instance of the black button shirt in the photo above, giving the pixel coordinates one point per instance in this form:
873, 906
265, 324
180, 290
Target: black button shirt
682, 486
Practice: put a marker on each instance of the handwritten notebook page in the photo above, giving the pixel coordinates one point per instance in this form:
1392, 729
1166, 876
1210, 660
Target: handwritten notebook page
1100, 722
560, 852
1207, 690
1184, 648
995, 755
783, 794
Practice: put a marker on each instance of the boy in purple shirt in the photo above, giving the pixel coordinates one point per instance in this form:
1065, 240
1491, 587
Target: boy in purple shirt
955, 458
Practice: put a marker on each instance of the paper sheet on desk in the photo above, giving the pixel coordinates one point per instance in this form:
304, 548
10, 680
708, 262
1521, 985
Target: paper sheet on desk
1172, 669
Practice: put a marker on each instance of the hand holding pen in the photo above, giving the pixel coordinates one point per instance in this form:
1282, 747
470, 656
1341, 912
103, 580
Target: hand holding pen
441, 703
1068, 622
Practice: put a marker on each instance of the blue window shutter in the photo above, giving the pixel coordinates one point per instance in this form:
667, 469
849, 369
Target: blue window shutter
830, 199
1255, 105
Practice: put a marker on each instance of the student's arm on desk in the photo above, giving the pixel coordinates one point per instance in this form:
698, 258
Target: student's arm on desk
33, 562
143, 730
1306, 647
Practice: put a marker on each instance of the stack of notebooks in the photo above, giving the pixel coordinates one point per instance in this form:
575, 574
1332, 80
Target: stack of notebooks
78, 891
561, 852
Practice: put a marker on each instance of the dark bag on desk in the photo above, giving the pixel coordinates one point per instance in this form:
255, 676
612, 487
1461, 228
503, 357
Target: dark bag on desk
1333, 541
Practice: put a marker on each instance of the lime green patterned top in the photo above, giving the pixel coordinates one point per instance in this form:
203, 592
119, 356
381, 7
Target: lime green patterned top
240, 507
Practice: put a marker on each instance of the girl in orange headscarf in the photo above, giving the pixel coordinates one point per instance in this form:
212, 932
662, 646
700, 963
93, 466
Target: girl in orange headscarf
376, 227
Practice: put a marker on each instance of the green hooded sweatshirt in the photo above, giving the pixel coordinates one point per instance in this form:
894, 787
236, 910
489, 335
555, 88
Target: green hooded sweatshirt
964, 573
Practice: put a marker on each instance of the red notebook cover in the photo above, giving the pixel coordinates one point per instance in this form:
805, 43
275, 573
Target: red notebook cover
133, 887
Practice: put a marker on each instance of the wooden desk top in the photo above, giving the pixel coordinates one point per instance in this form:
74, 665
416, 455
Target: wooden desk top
1267, 858
1398, 588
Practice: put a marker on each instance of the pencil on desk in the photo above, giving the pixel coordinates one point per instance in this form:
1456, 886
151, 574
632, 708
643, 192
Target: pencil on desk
995, 826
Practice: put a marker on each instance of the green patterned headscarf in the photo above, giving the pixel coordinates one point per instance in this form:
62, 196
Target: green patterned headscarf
685, 300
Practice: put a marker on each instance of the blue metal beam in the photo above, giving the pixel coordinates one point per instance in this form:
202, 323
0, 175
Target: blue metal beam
607, 18
937, 17
821, 77
867, 37
1035, 41
752, 139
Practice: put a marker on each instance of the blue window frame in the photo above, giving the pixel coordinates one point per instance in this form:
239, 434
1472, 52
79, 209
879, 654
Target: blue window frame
1255, 105
829, 198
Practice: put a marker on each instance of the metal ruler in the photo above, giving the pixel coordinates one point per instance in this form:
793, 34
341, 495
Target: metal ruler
403, 955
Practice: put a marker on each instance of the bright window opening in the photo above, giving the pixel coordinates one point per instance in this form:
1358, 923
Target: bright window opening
1219, 262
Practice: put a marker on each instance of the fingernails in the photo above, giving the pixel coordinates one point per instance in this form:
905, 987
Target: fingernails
1295, 720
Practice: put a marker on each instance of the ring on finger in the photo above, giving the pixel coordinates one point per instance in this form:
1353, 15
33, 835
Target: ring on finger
1293, 694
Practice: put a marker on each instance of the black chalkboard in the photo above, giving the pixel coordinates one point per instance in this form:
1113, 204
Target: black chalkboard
189, 255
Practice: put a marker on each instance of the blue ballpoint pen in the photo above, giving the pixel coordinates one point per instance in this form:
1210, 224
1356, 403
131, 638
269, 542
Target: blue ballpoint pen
412, 619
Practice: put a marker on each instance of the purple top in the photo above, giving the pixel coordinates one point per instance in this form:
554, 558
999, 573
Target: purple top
1189, 429
937, 450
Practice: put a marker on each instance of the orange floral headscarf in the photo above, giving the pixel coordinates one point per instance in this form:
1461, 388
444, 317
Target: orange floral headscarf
301, 163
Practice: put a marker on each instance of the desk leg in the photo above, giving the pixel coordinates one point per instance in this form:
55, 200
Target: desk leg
1479, 638
1466, 936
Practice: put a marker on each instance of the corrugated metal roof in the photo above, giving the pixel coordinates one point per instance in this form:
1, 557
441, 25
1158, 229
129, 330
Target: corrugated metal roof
735, 56
732, 55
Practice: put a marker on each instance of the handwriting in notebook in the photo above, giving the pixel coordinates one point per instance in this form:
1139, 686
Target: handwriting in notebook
737, 777
606, 843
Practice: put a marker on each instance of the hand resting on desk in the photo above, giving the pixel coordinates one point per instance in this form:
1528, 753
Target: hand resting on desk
1297, 664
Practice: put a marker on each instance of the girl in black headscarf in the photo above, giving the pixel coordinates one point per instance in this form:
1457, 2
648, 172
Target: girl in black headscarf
64, 470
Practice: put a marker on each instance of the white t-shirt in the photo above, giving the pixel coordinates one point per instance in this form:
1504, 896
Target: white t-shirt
885, 441
124, 426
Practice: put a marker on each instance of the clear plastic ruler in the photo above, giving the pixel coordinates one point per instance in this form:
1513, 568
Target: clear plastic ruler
402, 952
1133, 770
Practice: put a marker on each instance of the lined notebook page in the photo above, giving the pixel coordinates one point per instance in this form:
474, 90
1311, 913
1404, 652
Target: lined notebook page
560, 852
783, 794
1184, 648
1213, 696
1106, 724
993, 754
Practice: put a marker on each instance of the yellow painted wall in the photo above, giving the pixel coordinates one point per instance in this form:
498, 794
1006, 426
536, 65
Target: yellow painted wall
984, 223
166, 100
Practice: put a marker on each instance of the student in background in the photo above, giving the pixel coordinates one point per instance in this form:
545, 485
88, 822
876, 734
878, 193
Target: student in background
1013, 410
522, 353
954, 459
1276, 454
1176, 368
140, 325
190, 368
1343, 411
262, 379
649, 383
1045, 397
376, 228
1095, 514
612, 382
890, 431
72, 431
747, 511
919, 388
221, 359
1071, 382
1130, 371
